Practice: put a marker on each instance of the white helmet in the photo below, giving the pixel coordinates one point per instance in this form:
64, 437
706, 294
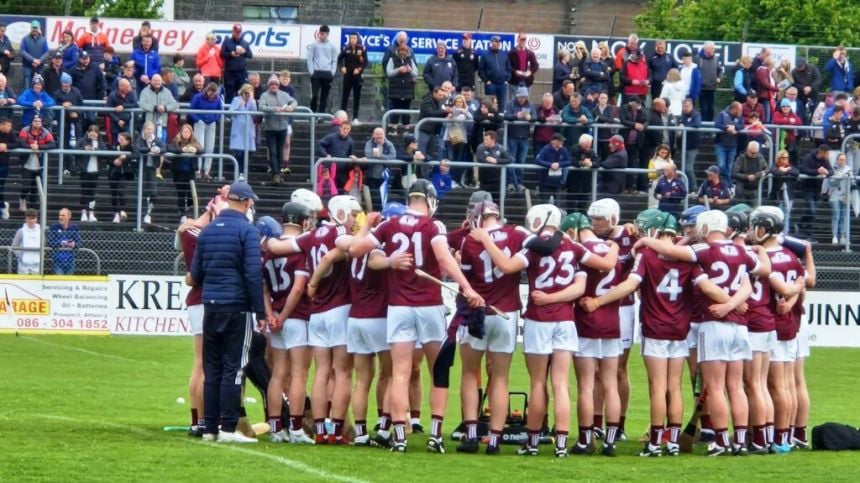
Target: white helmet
339, 208
606, 208
308, 199
711, 221
541, 216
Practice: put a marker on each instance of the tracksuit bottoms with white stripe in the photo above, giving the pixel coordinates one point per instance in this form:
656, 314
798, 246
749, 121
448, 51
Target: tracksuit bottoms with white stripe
226, 340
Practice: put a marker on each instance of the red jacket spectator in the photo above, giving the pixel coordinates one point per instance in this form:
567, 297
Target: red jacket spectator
634, 76
209, 62
751, 105
765, 87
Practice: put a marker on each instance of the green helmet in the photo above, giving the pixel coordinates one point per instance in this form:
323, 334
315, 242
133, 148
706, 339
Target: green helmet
575, 221
660, 223
740, 208
644, 216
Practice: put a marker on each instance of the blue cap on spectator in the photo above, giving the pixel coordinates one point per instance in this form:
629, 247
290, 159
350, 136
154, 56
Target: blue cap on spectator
35, 24
65, 78
785, 103
522, 91
240, 191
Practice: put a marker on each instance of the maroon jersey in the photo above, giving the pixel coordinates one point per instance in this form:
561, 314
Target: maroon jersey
412, 233
368, 290
665, 289
457, 237
786, 266
333, 289
498, 289
725, 264
625, 259
552, 274
762, 306
189, 244
279, 275
603, 323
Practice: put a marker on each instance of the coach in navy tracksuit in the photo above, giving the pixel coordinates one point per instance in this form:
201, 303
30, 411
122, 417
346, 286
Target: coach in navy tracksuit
227, 265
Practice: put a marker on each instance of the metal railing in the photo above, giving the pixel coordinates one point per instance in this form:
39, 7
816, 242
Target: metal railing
397, 112
45, 251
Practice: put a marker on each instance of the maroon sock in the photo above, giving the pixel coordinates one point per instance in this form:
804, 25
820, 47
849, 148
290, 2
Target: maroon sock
534, 438
561, 439
706, 422
741, 436
611, 432
337, 427
656, 435
360, 427
495, 438
800, 433
295, 423
674, 432
379, 413
598, 421
759, 436
194, 417
621, 423
385, 424
275, 424
471, 430
723, 437
584, 436
415, 414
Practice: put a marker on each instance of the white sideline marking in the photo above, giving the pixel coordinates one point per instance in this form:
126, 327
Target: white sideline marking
296, 465
86, 351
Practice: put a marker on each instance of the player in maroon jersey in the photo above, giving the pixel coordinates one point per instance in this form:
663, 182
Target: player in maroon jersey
596, 360
329, 314
801, 418
188, 233
415, 311
605, 215
500, 336
787, 281
723, 340
549, 332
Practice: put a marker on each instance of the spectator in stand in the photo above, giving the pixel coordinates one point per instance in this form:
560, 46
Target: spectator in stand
578, 57
840, 101
34, 52
759, 59
562, 70
609, 62
38, 139
576, 114
157, 101
64, 237
852, 126
69, 96
838, 192
198, 84
522, 113
51, 73
36, 102
181, 77
691, 76
150, 149
442, 180
658, 68
712, 73
657, 117
182, 167
623, 54
797, 106
656, 166
752, 106
691, 119
90, 80
127, 73
146, 63
782, 191
432, 107
243, 132
561, 97
204, 125
8, 141
494, 69
377, 147
548, 117
730, 123
273, 102
749, 168
334, 145
634, 77
786, 117
467, 60
440, 67
604, 113
120, 174
284, 85
635, 120
94, 42
524, 64
765, 88
402, 74
29, 239
834, 131
816, 166
90, 173
120, 100
112, 69
782, 77
7, 53
491, 151
596, 74
322, 65
714, 191
209, 62
670, 191
841, 73
69, 52
578, 183
742, 79
674, 92
145, 30
807, 80
554, 157
351, 62
456, 138
234, 52
612, 183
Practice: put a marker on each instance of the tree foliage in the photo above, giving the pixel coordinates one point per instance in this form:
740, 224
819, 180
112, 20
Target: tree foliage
820, 22
84, 8
127, 8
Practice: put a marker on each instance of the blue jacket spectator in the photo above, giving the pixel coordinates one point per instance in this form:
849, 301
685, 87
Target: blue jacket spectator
89, 79
29, 97
228, 266
235, 65
71, 53
440, 68
203, 102
441, 179
62, 237
553, 153
597, 76
841, 74
670, 192
730, 116
146, 62
33, 47
495, 67
560, 72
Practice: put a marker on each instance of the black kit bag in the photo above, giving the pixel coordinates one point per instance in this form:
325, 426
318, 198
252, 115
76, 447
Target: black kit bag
835, 437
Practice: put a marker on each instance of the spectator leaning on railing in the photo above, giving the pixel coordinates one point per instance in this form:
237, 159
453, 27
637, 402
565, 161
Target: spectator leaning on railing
838, 188
816, 166
612, 182
782, 191
8, 141
274, 102
36, 102
29, 238
670, 191
38, 139
157, 101
122, 100
714, 191
69, 96
64, 238
204, 124
748, 169
490, 151
377, 147
554, 157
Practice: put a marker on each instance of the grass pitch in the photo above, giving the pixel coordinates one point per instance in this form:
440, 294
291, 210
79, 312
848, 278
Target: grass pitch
92, 408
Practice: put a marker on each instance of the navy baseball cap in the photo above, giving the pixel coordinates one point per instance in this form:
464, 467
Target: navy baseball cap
240, 191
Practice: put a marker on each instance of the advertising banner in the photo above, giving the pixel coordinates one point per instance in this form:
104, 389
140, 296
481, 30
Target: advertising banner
54, 304
423, 42
777, 52
727, 52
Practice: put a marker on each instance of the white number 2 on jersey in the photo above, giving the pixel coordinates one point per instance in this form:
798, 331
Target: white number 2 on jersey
669, 285
402, 242
548, 265
489, 271
605, 283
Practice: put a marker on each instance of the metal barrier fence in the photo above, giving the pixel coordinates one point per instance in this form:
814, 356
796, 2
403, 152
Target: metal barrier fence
50, 259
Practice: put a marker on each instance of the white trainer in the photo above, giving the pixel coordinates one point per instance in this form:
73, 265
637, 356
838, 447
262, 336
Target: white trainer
123, 215
116, 218
282, 436
299, 437
92, 216
147, 219
209, 437
235, 437
84, 216
6, 210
